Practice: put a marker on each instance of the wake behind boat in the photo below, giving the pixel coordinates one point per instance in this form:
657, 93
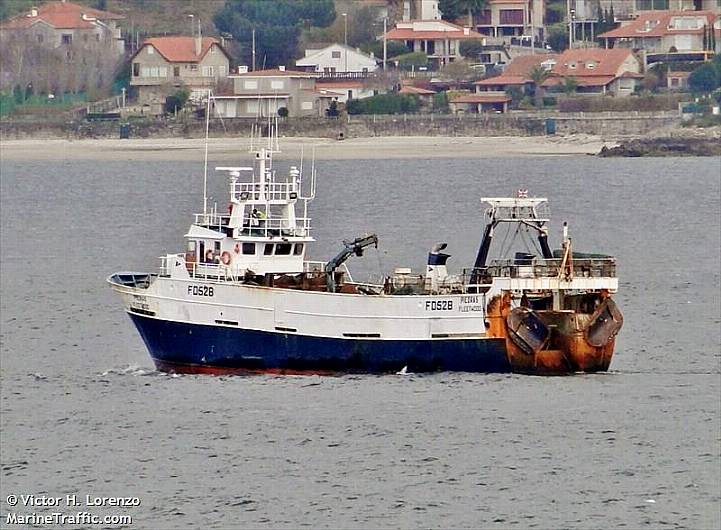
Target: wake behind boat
243, 298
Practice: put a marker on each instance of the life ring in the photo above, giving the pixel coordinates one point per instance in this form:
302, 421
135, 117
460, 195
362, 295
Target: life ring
209, 256
225, 257
237, 248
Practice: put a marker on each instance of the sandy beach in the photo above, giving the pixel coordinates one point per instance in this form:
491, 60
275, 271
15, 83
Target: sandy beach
325, 149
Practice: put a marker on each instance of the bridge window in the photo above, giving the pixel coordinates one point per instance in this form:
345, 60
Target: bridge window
283, 249
268, 250
298, 250
248, 248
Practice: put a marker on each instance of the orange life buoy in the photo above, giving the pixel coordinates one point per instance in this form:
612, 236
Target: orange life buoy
225, 257
237, 248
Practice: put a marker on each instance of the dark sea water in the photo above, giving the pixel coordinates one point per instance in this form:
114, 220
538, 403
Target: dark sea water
83, 411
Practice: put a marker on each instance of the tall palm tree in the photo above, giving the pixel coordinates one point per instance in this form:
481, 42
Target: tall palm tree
570, 84
538, 74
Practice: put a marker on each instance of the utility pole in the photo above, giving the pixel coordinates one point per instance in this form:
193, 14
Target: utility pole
253, 70
345, 39
385, 42
570, 24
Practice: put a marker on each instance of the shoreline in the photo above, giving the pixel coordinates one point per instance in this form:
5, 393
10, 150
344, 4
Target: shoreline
379, 147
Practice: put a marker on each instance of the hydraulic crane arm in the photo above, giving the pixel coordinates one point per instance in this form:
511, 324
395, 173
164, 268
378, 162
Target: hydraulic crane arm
351, 247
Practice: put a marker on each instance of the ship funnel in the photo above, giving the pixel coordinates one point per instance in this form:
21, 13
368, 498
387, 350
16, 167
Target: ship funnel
436, 271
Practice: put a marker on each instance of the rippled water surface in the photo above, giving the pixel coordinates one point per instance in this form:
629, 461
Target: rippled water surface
83, 411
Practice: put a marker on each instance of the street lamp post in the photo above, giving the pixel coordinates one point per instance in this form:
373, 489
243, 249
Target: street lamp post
345, 39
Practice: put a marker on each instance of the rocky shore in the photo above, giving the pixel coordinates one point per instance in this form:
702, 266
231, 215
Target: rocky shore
692, 143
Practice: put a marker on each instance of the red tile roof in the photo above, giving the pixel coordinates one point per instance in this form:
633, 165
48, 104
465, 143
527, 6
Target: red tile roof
516, 73
482, 98
181, 49
408, 89
604, 62
452, 32
658, 24
60, 15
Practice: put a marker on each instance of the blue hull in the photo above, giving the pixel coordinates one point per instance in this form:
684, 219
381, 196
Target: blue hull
183, 347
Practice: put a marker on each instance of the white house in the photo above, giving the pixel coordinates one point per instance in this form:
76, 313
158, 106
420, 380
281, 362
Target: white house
338, 59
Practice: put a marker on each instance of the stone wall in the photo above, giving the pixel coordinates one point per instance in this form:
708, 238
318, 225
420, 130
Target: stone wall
526, 124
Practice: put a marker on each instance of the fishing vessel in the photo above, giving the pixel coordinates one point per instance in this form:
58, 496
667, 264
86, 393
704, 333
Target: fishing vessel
243, 298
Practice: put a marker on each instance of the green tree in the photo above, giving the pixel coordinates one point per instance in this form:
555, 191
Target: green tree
440, 103
393, 48
9, 8
471, 49
454, 9
705, 78
176, 101
277, 26
558, 36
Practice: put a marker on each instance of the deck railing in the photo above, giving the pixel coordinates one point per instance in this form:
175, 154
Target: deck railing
270, 191
270, 227
541, 268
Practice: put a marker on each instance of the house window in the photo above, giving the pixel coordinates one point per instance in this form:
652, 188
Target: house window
85, 37
250, 84
67, 38
335, 55
511, 17
222, 70
176, 71
283, 249
151, 50
97, 37
193, 67
252, 106
154, 71
276, 85
674, 81
248, 248
208, 71
572, 66
590, 65
307, 105
298, 250
136, 69
212, 49
40, 37
350, 94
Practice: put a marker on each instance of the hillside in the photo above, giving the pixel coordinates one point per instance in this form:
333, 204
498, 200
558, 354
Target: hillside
143, 17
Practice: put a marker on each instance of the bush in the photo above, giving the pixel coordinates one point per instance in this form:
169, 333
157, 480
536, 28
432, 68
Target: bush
283, 112
409, 61
384, 104
393, 49
649, 103
550, 101
176, 101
